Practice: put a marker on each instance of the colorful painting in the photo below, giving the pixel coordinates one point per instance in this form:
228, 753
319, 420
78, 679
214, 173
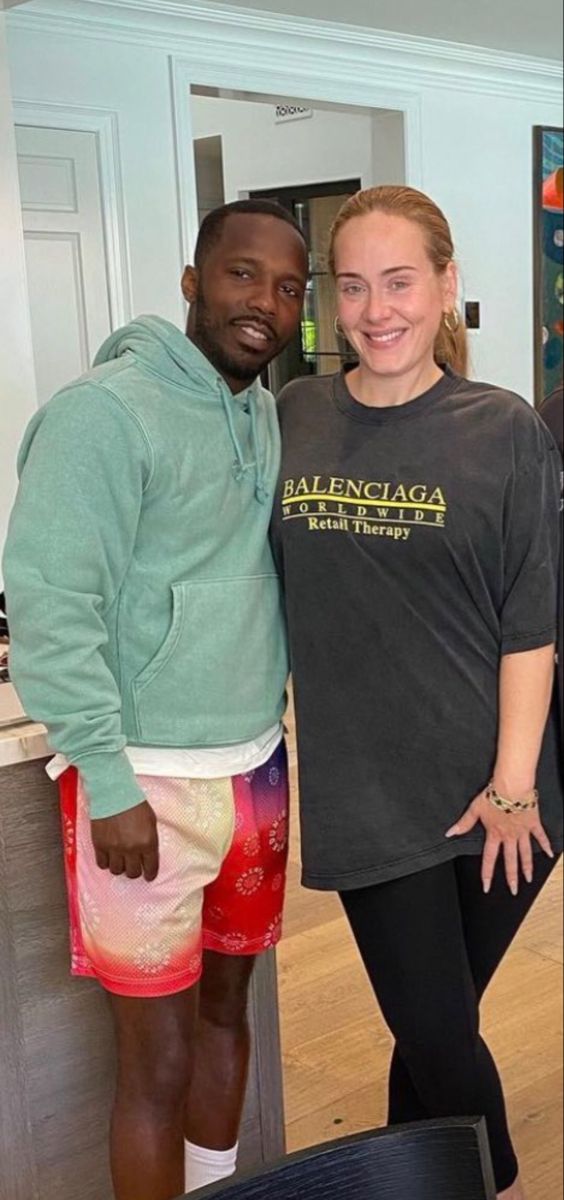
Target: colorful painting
549, 260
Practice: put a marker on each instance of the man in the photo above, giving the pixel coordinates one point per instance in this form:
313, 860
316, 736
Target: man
147, 634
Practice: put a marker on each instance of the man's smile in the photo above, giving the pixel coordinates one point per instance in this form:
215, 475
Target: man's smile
257, 333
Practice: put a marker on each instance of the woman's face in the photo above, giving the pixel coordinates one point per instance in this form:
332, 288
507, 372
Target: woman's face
390, 298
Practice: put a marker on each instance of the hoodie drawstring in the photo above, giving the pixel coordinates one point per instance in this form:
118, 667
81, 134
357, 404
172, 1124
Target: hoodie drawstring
261, 492
240, 467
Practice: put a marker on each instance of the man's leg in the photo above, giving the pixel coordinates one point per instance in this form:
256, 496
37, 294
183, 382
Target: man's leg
155, 1044
219, 1079
144, 940
242, 917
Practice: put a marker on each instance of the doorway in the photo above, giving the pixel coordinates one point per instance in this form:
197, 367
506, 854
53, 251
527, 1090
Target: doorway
317, 348
309, 159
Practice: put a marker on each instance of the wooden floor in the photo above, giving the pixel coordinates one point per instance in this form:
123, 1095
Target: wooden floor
336, 1047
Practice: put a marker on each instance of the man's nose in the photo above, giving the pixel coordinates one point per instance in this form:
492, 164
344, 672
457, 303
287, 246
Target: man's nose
264, 299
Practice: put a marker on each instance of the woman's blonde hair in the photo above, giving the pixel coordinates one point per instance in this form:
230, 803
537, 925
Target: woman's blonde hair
451, 345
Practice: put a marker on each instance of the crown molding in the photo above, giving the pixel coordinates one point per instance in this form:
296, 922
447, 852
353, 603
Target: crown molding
251, 19
208, 32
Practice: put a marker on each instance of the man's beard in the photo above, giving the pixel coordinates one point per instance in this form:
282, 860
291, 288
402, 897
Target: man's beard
207, 338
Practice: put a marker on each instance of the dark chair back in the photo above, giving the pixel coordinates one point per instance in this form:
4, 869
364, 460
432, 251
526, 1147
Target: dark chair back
436, 1160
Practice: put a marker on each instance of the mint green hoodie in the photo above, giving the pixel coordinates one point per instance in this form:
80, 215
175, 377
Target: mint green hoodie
143, 601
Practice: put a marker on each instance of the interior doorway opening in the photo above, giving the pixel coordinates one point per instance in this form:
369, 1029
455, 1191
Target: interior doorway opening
309, 156
318, 348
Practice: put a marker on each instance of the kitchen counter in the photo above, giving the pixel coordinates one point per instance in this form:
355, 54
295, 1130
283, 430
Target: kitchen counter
22, 742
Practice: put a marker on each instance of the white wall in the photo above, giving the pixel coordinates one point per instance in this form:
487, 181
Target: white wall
260, 154
17, 383
388, 148
477, 155
134, 82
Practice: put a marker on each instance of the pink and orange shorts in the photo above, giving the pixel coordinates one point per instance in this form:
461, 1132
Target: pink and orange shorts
221, 884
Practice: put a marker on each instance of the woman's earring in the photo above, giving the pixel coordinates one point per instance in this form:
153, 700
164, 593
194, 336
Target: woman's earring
339, 331
452, 320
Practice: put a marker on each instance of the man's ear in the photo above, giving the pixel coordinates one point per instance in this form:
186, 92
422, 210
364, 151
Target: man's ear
190, 280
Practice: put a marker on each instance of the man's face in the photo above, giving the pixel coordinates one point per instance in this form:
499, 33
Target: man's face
246, 301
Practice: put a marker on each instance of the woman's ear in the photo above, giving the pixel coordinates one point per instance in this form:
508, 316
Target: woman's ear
450, 287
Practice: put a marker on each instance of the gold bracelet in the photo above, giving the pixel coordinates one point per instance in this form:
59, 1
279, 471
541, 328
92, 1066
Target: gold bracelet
512, 807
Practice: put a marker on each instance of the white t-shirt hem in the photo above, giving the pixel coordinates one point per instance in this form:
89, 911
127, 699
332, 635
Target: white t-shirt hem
221, 762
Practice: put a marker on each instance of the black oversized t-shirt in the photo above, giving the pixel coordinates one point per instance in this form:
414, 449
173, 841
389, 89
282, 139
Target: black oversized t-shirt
417, 544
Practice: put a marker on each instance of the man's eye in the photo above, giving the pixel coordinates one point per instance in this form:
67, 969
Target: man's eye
240, 273
291, 291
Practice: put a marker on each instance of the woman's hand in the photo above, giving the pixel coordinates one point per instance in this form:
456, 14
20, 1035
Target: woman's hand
510, 833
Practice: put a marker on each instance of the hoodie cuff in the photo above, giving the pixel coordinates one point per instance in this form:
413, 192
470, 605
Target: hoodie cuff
109, 782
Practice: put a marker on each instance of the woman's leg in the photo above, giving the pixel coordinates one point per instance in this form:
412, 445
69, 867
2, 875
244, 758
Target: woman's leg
490, 925
410, 933
492, 922
404, 1104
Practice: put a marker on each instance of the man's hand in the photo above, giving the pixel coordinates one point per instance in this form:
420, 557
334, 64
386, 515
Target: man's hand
128, 844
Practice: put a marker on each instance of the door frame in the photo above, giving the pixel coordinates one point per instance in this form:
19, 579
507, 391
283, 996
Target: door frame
104, 125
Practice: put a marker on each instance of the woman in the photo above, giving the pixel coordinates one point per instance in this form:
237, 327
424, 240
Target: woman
416, 527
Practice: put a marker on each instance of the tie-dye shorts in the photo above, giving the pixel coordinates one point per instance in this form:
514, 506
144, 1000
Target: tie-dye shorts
221, 884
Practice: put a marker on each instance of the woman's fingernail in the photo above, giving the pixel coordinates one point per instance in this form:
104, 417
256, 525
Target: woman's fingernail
451, 832
529, 876
487, 888
514, 889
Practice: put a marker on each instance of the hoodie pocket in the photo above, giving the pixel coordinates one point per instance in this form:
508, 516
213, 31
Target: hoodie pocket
220, 674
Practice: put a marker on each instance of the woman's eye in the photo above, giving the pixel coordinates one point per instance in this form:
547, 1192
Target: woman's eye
353, 289
399, 285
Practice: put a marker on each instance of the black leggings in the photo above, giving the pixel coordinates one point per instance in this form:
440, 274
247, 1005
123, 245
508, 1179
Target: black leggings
431, 943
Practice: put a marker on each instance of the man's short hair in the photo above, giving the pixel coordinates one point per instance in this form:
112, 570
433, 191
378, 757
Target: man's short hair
212, 225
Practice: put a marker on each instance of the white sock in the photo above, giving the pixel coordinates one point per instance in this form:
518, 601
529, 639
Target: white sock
208, 1166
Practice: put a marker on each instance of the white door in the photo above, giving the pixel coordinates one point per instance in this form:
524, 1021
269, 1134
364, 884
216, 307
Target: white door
65, 252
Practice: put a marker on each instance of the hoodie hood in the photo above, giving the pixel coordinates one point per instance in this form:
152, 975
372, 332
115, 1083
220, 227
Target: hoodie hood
168, 352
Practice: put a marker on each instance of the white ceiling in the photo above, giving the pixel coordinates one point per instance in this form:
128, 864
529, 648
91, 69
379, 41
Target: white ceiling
518, 26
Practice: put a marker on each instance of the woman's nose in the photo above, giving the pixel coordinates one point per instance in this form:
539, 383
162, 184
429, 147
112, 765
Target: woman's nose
378, 306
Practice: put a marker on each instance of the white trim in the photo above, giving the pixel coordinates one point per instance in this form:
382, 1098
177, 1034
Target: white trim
194, 28
188, 214
252, 19
104, 124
